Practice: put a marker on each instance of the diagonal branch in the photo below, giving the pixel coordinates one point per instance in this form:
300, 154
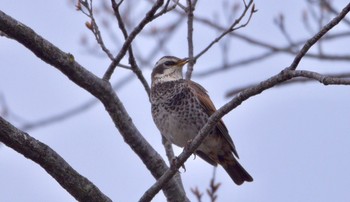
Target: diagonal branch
77, 185
148, 18
135, 68
331, 9
73, 111
273, 50
340, 78
285, 75
232, 27
93, 26
309, 43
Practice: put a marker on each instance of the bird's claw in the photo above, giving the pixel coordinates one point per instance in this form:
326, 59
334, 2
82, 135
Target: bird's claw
174, 162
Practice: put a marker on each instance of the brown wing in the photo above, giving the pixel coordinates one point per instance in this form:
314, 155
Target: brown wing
210, 108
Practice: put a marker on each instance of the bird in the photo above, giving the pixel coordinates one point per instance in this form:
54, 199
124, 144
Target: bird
181, 107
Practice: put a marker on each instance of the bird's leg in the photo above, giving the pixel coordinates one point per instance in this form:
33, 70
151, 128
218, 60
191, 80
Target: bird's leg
187, 145
174, 162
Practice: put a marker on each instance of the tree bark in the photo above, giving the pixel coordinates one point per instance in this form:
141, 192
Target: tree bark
77, 185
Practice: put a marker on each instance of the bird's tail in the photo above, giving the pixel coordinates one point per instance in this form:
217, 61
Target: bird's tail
236, 171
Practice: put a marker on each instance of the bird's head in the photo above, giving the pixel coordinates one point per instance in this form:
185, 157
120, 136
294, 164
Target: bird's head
168, 68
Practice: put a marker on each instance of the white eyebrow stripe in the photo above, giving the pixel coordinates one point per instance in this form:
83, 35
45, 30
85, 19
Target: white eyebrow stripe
165, 59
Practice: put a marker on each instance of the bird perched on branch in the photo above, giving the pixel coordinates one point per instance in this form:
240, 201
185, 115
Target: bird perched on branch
180, 108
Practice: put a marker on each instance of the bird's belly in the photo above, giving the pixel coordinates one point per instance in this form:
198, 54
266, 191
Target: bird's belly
178, 130
181, 133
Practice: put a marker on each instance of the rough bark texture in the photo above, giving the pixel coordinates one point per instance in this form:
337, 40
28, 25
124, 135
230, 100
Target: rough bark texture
77, 185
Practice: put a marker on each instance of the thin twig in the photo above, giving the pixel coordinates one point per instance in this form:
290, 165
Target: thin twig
189, 10
272, 50
290, 48
165, 35
166, 9
213, 187
231, 28
309, 43
179, 5
132, 60
334, 11
240, 63
341, 78
148, 18
93, 26
324, 79
73, 111
95, 29
280, 23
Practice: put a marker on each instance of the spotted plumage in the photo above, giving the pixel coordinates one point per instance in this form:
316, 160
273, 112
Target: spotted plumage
180, 108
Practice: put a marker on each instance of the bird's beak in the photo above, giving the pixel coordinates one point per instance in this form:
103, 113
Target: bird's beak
182, 62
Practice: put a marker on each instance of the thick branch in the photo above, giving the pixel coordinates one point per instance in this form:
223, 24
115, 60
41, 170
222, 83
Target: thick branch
100, 89
77, 185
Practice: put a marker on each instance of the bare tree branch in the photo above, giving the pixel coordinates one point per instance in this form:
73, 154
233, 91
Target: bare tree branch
71, 112
309, 43
148, 18
279, 21
273, 50
341, 78
165, 34
326, 80
132, 60
166, 8
333, 10
77, 185
189, 10
94, 27
232, 27
239, 63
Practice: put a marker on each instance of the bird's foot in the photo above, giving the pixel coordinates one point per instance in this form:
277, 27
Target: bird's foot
174, 163
187, 145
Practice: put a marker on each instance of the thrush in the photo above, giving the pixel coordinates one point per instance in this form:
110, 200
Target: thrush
180, 108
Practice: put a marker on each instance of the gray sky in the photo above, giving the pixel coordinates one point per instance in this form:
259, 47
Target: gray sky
294, 141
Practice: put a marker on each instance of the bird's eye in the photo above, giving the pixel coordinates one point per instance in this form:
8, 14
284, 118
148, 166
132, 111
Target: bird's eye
169, 63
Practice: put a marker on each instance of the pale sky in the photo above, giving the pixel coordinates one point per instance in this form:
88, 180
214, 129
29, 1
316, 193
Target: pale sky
294, 141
